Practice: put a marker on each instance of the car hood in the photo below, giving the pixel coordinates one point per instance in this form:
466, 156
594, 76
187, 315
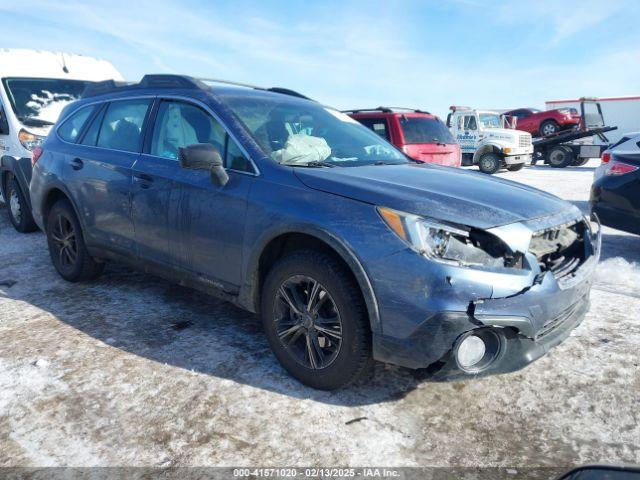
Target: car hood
448, 194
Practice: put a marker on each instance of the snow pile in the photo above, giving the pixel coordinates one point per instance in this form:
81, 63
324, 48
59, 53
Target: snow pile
617, 274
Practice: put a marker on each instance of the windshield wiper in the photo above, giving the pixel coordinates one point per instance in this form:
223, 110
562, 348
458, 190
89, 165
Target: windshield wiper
317, 164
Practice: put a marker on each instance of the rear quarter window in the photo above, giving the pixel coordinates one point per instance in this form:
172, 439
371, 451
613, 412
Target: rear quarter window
72, 126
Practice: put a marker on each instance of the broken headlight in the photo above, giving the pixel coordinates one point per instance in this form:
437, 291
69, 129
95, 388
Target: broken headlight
456, 245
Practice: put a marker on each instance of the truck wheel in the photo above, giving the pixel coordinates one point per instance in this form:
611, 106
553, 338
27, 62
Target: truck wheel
19, 211
515, 168
560, 156
66, 245
490, 163
578, 162
548, 127
316, 321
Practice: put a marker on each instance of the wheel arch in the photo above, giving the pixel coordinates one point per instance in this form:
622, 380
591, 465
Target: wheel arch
7, 163
52, 195
487, 148
274, 246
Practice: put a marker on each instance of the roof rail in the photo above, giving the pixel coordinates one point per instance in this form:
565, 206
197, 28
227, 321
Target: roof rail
385, 110
174, 81
98, 88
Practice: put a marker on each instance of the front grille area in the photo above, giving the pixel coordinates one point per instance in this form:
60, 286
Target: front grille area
525, 140
560, 249
556, 322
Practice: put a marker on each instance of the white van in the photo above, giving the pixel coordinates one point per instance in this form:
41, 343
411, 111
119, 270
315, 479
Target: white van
35, 86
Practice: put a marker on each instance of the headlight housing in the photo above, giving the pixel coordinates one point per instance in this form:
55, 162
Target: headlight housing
29, 140
451, 244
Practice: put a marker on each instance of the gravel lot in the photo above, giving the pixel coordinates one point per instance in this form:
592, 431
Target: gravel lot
132, 370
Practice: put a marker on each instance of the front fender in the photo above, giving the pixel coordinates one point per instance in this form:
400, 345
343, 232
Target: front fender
249, 295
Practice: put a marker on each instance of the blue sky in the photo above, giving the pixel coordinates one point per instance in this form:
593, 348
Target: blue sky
424, 54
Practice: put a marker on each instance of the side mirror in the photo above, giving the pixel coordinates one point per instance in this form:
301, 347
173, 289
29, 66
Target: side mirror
204, 156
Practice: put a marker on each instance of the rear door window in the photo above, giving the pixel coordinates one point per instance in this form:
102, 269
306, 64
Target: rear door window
122, 125
425, 130
72, 126
378, 125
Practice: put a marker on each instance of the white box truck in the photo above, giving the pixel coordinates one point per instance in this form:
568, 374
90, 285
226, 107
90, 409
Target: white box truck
34, 88
622, 112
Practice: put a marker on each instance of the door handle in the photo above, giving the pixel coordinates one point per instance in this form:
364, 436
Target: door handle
77, 164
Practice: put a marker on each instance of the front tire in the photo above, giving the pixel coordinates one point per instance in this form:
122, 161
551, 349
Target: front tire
18, 208
66, 245
549, 127
315, 320
489, 163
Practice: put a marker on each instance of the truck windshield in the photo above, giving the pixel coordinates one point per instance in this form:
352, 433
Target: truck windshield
304, 133
425, 130
39, 101
490, 120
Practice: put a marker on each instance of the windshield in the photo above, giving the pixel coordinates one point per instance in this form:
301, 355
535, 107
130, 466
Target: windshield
303, 133
490, 120
425, 130
39, 101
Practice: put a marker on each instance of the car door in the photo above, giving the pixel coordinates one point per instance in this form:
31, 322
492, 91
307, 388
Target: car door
98, 172
205, 221
525, 121
467, 134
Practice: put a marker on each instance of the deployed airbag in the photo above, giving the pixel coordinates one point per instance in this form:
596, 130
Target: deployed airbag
301, 148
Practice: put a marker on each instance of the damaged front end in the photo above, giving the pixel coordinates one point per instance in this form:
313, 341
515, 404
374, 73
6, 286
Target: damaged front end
514, 314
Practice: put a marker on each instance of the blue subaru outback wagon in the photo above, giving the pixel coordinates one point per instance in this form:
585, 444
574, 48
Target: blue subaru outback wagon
348, 250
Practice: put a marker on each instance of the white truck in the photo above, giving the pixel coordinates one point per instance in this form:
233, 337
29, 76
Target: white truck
487, 140
34, 88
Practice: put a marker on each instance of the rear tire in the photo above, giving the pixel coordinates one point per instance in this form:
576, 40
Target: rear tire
548, 127
66, 245
578, 162
515, 168
335, 331
560, 156
18, 208
489, 163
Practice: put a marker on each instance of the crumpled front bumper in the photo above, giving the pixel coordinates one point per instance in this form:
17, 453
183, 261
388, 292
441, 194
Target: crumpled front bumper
529, 323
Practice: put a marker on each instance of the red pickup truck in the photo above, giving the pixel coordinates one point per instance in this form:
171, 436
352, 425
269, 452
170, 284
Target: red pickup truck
420, 135
544, 123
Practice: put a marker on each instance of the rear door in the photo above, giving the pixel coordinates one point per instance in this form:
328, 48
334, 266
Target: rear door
98, 172
467, 133
205, 222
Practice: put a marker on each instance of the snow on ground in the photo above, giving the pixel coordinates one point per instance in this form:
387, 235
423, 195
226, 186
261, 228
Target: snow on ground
132, 370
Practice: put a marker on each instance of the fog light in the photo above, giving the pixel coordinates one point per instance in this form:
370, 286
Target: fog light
470, 351
477, 350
